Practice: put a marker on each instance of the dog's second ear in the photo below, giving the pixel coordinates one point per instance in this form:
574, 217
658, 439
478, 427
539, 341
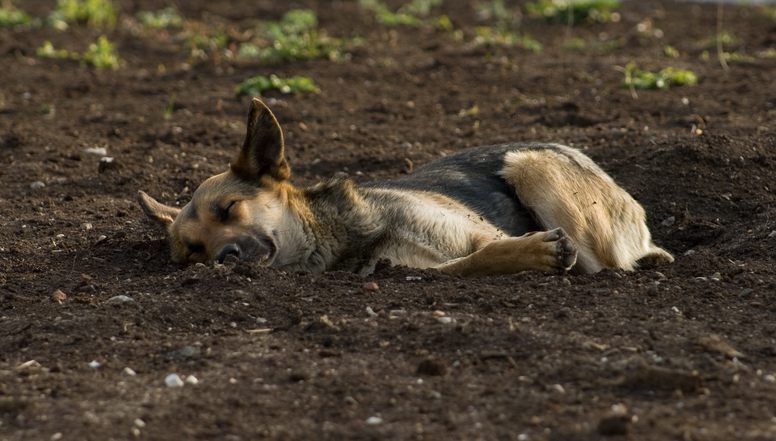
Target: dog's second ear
263, 152
157, 211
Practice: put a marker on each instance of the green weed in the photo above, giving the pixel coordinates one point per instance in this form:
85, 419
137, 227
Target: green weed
486, 36
593, 45
294, 37
731, 57
47, 50
93, 13
102, 54
259, 84
10, 17
670, 52
495, 10
575, 11
664, 79
413, 13
161, 19
724, 38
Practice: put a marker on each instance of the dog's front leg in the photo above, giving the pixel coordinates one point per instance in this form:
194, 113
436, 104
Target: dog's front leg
547, 251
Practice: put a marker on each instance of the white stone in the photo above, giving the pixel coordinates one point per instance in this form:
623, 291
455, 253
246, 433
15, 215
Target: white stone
173, 380
192, 380
99, 151
374, 420
94, 364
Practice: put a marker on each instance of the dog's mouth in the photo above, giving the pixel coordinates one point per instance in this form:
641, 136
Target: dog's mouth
260, 249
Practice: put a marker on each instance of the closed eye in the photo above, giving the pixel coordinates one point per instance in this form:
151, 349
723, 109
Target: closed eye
223, 212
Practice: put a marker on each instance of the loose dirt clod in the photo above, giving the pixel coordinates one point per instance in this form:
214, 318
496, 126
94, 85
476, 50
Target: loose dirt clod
614, 424
58, 296
371, 287
431, 367
646, 377
715, 343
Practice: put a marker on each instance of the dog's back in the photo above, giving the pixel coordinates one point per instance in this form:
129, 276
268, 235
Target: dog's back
472, 178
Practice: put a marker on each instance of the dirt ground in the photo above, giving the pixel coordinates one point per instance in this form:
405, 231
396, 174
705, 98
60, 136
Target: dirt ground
682, 352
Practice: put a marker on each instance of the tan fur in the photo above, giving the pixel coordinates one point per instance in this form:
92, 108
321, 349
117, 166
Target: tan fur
604, 221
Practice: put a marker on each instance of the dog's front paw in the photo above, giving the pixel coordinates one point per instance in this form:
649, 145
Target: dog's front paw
561, 253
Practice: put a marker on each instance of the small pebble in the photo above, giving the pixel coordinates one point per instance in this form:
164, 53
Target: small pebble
445, 320
94, 364
58, 296
119, 299
139, 423
87, 226
129, 371
374, 420
99, 151
101, 239
192, 380
37, 185
772, 234
669, 221
371, 286
418, 278
173, 380
370, 312
57, 436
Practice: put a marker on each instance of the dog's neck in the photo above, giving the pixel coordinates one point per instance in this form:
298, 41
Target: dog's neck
330, 226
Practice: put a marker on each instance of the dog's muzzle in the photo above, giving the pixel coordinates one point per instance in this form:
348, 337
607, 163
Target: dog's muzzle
262, 250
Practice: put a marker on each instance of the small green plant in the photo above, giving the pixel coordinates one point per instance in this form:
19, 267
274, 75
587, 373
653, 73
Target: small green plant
259, 84
575, 11
670, 52
10, 17
102, 54
162, 19
731, 57
93, 13
200, 40
294, 37
592, 45
486, 36
664, 79
495, 10
47, 50
724, 39
413, 13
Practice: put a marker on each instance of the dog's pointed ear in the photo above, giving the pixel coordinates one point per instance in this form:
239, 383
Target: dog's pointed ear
157, 211
263, 152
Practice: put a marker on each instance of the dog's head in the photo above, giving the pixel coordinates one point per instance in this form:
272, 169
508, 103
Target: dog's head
240, 212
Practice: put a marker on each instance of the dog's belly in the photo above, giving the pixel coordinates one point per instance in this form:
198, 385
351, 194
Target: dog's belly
425, 229
471, 177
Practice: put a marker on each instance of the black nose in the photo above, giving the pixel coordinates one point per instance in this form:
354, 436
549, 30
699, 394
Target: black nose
228, 250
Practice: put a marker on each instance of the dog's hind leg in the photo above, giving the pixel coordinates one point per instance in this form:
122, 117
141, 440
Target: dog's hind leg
564, 188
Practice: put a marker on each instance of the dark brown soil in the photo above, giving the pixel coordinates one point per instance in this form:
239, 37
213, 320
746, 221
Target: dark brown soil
687, 351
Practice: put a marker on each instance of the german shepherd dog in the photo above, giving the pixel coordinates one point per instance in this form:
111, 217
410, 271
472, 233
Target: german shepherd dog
484, 211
